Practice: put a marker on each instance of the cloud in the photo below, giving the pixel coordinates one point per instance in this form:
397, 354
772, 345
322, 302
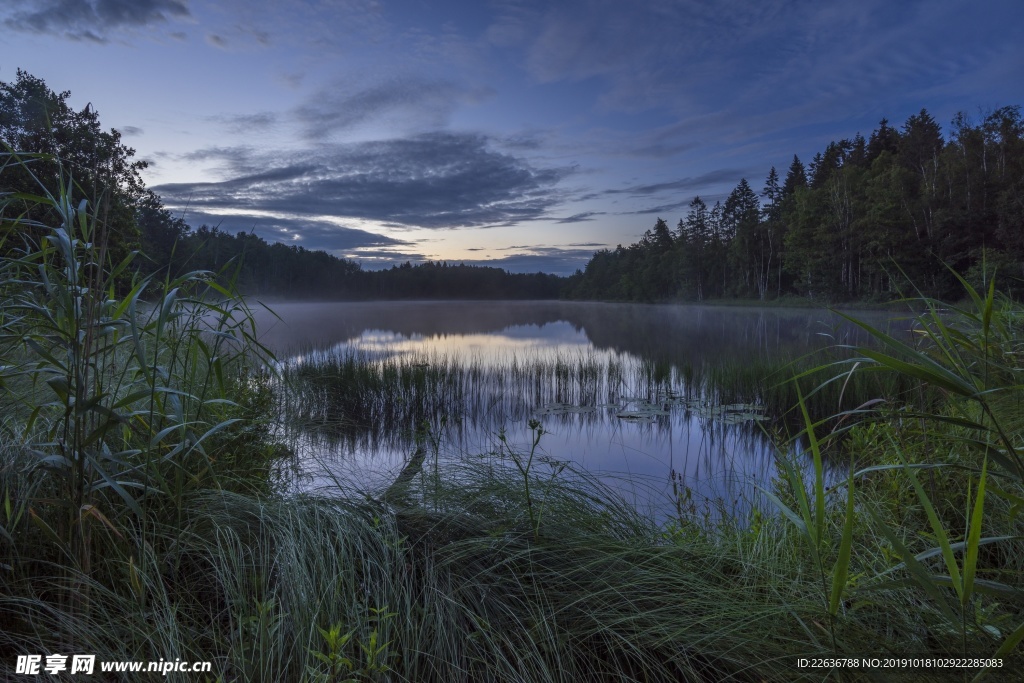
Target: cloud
433, 180
545, 260
292, 79
379, 259
303, 232
709, 179
580, 217
660, 209
217, 41
663, 209
244, 123
736, 71
412, 102
130, 131
523, 141
561, 260
260, 36
92, 20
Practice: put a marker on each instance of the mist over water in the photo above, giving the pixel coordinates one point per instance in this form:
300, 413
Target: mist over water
615, 386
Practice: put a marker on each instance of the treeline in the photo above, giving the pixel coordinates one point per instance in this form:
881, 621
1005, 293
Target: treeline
43, 140
279, 270
865, 220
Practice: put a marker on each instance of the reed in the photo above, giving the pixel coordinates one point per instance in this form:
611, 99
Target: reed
365, 399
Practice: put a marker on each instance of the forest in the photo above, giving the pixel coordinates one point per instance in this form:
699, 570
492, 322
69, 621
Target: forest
866, 220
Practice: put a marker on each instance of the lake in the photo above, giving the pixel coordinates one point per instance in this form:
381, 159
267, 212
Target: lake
652, 399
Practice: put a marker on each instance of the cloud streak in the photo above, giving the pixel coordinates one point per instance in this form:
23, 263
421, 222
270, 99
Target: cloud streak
408, 101
301, 232
434, 180
710, 179
543, 260
580, 217
92, 20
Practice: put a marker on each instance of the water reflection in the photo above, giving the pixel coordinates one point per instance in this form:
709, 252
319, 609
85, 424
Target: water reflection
671, 333
612, 384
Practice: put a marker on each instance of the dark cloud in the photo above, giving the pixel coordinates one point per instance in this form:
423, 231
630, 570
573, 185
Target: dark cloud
91, 20
580, 217
292, 80
662, 150
242, 123
710, 179
129, 131
233, 155
660, 209
529, 141
217, 41
421, 104
261, 37
435, 180
303, 232
545, 260
554, 262
378, 259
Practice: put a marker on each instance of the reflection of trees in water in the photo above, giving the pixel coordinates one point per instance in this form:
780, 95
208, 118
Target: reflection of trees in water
674, 334
697, 335
314, 325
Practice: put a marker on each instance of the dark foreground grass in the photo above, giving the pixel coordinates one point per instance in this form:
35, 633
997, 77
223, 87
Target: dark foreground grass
457, 584
421, 594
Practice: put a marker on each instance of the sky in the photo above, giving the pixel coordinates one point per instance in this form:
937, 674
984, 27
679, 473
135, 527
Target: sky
516, 133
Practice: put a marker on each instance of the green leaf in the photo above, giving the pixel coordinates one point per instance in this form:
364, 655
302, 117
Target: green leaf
1011, 642
785, 510
842, 565
974, 535
917, 571
119, 488
48, 532
937, 530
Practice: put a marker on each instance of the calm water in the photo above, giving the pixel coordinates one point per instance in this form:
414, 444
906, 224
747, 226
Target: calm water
612, 384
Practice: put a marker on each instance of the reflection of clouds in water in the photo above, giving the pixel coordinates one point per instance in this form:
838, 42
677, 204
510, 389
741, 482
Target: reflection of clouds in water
522, 343
677, 334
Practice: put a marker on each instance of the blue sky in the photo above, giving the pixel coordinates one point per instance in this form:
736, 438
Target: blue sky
524, 134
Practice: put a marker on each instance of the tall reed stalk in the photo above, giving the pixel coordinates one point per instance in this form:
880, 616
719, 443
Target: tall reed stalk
121, 383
